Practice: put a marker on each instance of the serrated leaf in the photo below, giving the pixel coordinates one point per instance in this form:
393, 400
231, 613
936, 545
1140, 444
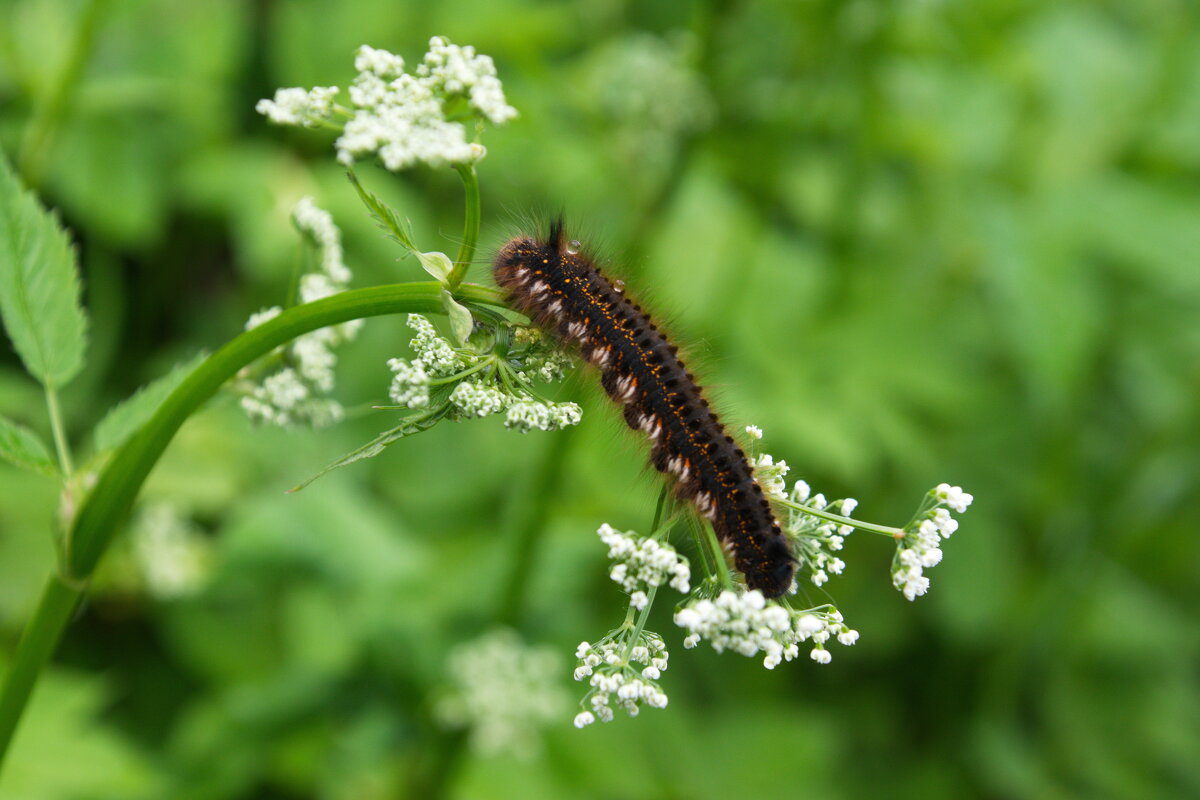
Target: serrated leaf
410, 426
39, 286
22, 447
132, 412
383, 215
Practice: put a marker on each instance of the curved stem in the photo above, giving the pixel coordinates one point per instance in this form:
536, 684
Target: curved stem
108, 503
106, 506
466, 251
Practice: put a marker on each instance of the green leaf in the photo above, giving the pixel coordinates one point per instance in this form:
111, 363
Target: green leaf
383, 215
22, 447
39, 286
132, 412
461, 323
436, 264
408, 427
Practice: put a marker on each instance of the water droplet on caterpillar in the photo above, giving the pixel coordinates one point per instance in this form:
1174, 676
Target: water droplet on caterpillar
573, 247
619, 285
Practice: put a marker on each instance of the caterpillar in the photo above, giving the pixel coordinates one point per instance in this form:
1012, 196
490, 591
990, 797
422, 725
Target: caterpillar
555, 283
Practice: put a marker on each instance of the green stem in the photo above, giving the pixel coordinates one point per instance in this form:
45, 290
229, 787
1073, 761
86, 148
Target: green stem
105, 507
466, 252
33, 651
48, 114
60, 438
895, 533
641, 624
718, 553
108, 503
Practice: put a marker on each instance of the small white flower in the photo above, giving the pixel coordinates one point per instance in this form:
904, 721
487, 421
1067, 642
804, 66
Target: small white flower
642, 564
920, 548
754, 431
584, 718
528, 414
621, 653
378, 62
299, 106
748, 624
473, 398
458, 70
953, 496
770, 475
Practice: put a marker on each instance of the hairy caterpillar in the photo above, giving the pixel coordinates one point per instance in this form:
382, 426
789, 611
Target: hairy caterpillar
559, 287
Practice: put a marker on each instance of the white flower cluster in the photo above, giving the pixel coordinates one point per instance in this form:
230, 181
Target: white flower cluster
528, 415
318, 223
436, 358
548, 364
174, 557
749, 624
453, 70
814, 540
402, 117
504, 691
643, 564
296, 393
610, 667
479, 393
921, 546
770, 473
299, 107
474, 398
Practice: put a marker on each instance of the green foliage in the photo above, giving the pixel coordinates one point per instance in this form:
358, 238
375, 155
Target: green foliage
913, 241
39, 288
21, 446
410, 426
124, 419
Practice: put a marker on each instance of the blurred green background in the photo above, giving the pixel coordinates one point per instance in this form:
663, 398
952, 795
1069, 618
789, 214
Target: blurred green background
914, 241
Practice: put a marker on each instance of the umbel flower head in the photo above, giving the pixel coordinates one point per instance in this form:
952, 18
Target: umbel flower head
920, 546
471, 384
403, 118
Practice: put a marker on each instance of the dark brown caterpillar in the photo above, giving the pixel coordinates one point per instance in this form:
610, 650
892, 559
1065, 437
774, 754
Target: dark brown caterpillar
553, 282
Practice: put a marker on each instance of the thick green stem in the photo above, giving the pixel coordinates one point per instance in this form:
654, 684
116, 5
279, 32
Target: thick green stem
33, 651
60, 438
106, 506
466, 251
108, 503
